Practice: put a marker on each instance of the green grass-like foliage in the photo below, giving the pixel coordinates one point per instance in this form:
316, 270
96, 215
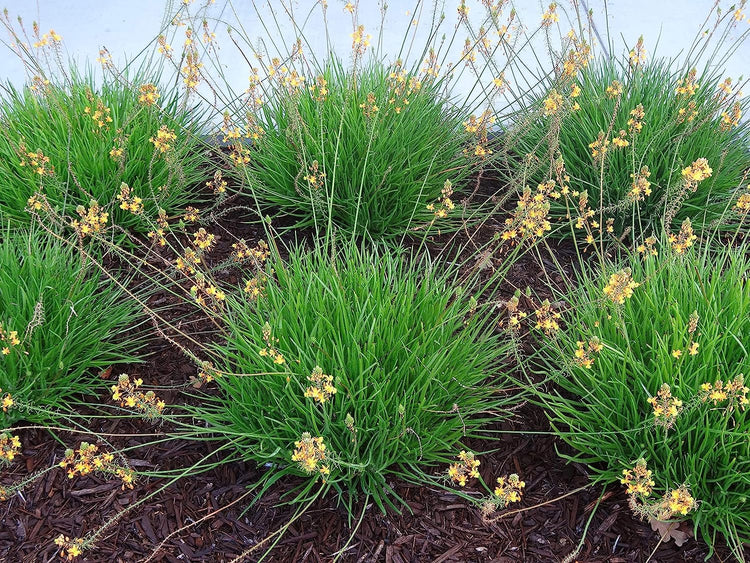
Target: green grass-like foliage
414, 366
69, 323
604, 413
53, 119
381, 170
667, 143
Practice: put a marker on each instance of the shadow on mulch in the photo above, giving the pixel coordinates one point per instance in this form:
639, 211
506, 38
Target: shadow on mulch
207, 517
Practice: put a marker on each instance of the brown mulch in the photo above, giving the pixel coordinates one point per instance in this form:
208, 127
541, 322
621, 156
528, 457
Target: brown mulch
215, 516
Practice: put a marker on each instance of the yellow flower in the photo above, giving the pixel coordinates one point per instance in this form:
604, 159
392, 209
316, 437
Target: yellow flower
163, 139
620, 286
552, 103
148, 95
666, 407
614, 89
638, 479
310, 452
697, 171
684, 239
322, 388
550, 16
466, 467
508, 490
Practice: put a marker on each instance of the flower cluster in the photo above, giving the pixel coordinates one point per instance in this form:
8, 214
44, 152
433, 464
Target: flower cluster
620, 142
129, 201
37, 160
641, 186
207, 372
157, 235
509, 489
10, 447
93, 220
734, 392
547, 319
614, 90
241, 251
515, 315
9, 339
400, 88
677, 501
729, 120
687, 86
687, 113
319, 89
360, 40
640, 485
127, 393
315, 177
105, 59
638, 480
148, 95
478, 127
666, 407
697, 171
550, 16
637, 55
553, 103
585, 214
531, 217
635, 123
311, 455
648, 246
270, 350
46, 39
256, 286
321, 388
69, 548
620, 286
7, 402
369, 106
164, 136
599, 147
218, 185
87, 459
191, 71
191, 215
576, 58
203, 240
205, 292
188, 262
585, 353
117, 152
684, 239
239, 155
164, 47
465, 468
445, 203
742, 206
100, 114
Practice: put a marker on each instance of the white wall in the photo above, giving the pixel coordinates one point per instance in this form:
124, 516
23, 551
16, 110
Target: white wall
126, 27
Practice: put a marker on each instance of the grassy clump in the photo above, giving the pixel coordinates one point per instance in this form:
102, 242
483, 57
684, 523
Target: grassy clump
59, 321
373, 353
659, 377
685, 117
365, 152
75, 143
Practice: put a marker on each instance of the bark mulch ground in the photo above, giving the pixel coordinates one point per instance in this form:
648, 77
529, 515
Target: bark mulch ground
212, 517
